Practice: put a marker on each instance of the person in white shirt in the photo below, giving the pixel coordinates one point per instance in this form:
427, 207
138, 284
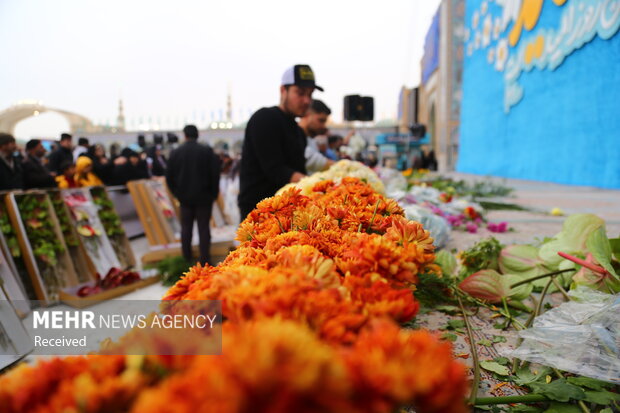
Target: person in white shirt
314, 123
81, 148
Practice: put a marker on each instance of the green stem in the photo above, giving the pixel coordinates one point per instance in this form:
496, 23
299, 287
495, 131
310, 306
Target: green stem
506, 310
528, 324
520, 306
474, 355
542, 297
538, 277
374, 214
526, 398
560, 288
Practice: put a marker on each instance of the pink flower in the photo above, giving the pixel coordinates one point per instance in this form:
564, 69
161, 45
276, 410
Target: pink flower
501, 227
471, 228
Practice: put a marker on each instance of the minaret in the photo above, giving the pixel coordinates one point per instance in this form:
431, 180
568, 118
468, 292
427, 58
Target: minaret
229, 106
120, 120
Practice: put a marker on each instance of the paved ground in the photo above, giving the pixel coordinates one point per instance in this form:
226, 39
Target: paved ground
542, 197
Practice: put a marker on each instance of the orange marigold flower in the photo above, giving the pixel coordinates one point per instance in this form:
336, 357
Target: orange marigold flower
323, 186
405, 232
380, 299
373, 254
433, 382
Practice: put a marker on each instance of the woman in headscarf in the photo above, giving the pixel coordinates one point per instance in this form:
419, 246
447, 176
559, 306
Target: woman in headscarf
84, 175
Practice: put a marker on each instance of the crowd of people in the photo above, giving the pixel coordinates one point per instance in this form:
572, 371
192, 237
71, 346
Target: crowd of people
66, 166
282, 144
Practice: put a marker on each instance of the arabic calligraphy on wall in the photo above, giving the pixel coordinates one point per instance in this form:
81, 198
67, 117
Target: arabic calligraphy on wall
508, 31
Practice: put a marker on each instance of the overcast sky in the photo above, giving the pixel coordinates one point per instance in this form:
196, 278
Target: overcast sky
174, 61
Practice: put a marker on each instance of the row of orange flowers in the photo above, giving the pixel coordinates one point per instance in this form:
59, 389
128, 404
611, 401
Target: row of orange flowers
312, 299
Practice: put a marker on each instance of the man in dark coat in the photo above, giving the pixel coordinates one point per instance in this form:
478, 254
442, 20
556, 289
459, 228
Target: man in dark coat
61, 155
36, 175
193, 176
10, 165
274, 145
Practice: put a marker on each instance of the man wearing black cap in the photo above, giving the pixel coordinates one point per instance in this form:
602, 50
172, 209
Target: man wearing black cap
35, 174
273, 147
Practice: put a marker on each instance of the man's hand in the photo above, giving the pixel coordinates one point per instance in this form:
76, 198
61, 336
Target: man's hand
296, 177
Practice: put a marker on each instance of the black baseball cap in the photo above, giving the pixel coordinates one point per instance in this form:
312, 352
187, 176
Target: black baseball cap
300, 75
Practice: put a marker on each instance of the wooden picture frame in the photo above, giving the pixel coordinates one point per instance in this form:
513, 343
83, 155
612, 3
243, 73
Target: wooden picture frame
15, 342
112, 223
83, 214
83, 266
155, 235
47, 279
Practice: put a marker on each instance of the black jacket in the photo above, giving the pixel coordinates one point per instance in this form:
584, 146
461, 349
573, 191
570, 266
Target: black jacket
58, 157
129, 172
11, 178
105, 172
193, 174
36, 175
273, 149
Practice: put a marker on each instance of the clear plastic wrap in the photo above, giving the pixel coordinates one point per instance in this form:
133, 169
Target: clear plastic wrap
581, 336
436, 225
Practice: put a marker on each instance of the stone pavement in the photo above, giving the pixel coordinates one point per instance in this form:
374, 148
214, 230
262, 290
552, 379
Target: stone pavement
541, 198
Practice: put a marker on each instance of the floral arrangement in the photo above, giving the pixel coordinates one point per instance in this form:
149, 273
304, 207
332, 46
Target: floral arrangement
9, 233
63, 219
456, 206
336, 173
323, 281
44, 241
34, 210
112, 224
109, 218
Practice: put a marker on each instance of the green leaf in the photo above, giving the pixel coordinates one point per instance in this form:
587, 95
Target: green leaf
589, 383
559, 390
486, 343
524, 409
500, 325
447, 262
526, 376
499, 339
562, 408
449, 336
604, 398
614, 243
448, 309
572, 238
607, 410
454, 324
598, 244
521, 292
495, 367
501, 360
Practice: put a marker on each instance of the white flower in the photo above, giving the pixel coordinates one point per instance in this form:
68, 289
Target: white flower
467, 34
477, 40
486, 31
497, 28
336, 172
475, 19
491, 55
501, 55
484, 7
470, 49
